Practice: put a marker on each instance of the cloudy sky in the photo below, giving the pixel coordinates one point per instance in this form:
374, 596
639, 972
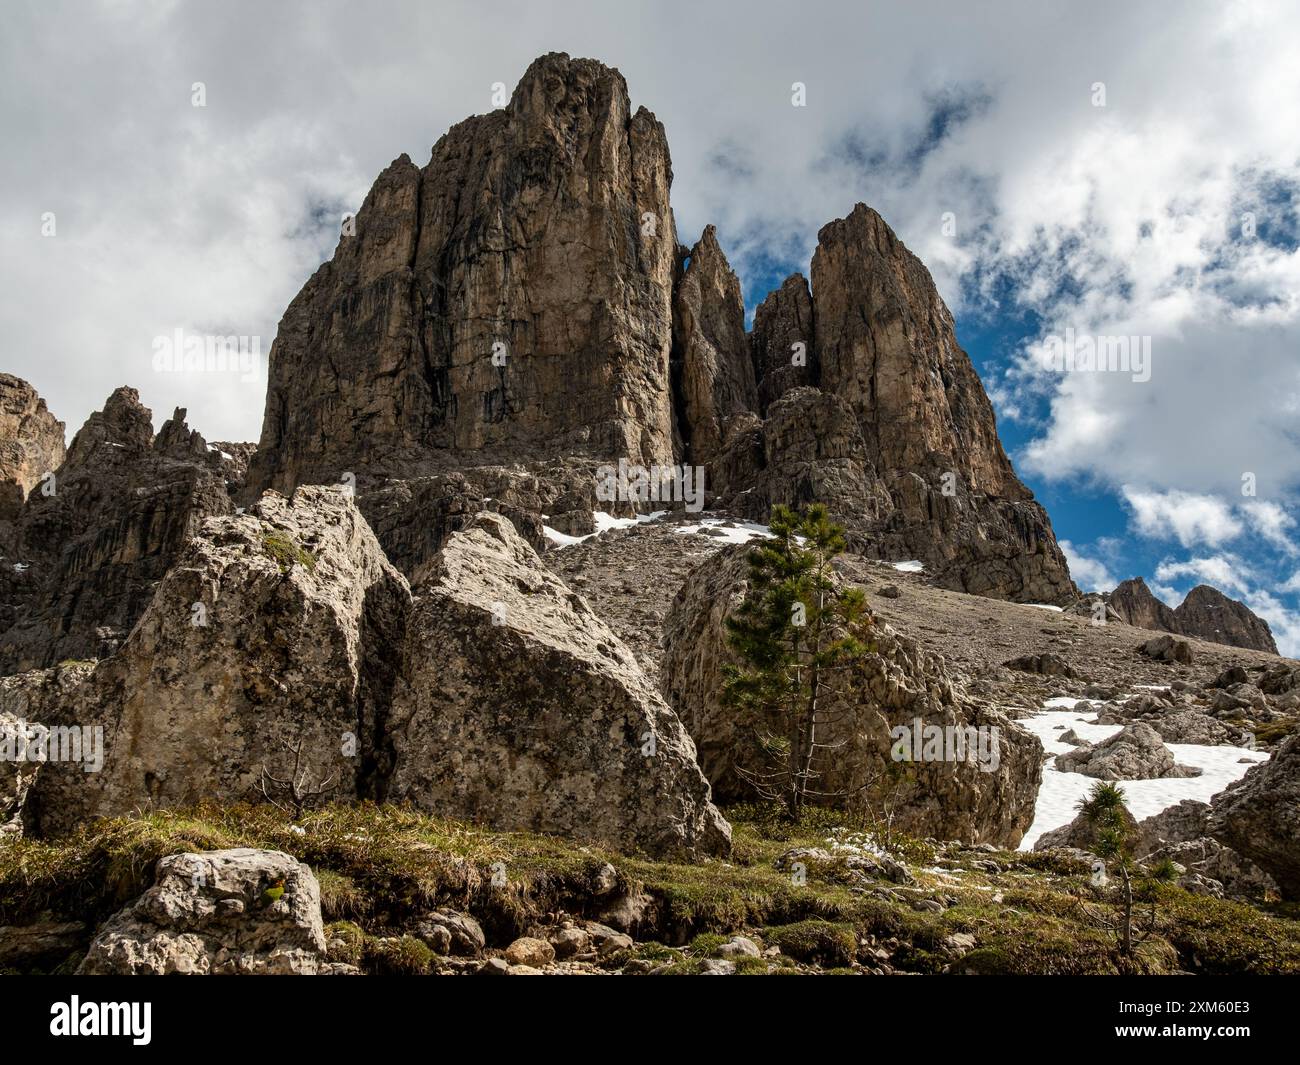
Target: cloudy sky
1075, 171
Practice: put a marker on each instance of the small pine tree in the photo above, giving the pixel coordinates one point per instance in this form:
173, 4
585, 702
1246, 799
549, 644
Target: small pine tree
797, 634
1113, 842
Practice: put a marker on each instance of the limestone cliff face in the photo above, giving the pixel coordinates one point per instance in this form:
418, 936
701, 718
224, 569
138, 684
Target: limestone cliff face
31, 443
887, 346
1211, 615
511, 300
781, 344
714, 373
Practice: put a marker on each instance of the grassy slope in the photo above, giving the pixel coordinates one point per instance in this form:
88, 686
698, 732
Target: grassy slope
381, 867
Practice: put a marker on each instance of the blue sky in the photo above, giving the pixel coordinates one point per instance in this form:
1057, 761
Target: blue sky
1111, 170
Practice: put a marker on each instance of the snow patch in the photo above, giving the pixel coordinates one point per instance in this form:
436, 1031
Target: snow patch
729, 532
603, 522
1060, 792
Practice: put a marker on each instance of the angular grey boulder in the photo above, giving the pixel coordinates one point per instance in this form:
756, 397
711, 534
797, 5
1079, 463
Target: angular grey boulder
239, 911
518, 708
897, 684
1136, 752
268, 644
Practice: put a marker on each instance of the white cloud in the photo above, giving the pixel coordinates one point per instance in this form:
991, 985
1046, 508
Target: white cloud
1283, 621
1225, 572
1190, 518
204, 218
1273, 523
1090, 574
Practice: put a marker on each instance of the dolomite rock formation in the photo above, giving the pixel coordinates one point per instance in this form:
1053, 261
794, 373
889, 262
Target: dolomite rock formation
522, 300
231, 912
518, 708
31, 443
91, 553
1211, 615
781, 343
1259, 816
1206, 613
540, 233
29, 699
1133, 601
714, 374
267, 644
895, 685
904, 448
885, 344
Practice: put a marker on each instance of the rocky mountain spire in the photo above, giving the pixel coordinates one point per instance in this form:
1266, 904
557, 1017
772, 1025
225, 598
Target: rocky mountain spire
1133, 601
886, 344
521, 302
713, 373
511, 300
1211, 615
782, 341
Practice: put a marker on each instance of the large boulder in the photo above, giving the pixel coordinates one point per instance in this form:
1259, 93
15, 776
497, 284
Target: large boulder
232, 912
29, 704
1259, 816
1167, 649
896, 685
518, 708
1136, 752
267, 651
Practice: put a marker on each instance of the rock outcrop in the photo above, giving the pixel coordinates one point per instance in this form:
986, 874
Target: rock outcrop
1133, 602
713, 374
510, 300
1259, 816
895, 685
265, 654
518, 708
522, 299
232, 912
1206, 614
886, 345
91, 551
1210, 615
31, 443
781, 343
1180, 833
1136, 752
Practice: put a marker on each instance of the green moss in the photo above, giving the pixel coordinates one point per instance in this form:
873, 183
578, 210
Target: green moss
400, 956
346, 942
819, 942
285, 552
1274, 732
